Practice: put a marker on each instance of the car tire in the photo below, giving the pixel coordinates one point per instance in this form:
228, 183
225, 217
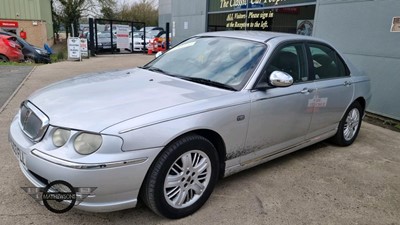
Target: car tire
349, 126
182, 177
3, 58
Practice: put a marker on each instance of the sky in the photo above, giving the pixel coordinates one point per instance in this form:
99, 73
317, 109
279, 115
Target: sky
119, 2
127, 1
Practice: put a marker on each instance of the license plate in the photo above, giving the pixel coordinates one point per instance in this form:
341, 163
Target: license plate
106, 46
19, 154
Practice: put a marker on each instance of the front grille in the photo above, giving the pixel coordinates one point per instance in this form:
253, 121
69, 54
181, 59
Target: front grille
33, 122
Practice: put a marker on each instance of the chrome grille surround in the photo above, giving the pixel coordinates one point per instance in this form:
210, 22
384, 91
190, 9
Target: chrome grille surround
33, 122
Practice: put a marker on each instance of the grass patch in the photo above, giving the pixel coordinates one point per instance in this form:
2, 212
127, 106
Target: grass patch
60, 52
15, 64
382, 121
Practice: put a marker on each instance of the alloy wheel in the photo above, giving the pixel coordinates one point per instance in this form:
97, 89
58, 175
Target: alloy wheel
351, 125
187, 179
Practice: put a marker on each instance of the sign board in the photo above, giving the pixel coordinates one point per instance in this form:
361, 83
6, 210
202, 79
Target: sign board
84, 48
74, 48
228, 5
123, 37
305, 27
395, 24
6, 23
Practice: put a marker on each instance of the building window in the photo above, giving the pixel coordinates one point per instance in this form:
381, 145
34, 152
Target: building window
297, 17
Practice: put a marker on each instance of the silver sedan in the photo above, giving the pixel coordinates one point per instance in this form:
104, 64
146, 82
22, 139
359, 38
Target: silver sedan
214, 105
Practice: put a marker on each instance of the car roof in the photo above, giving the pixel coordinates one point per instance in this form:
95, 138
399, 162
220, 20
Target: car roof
2, 32
5, 35
259, 36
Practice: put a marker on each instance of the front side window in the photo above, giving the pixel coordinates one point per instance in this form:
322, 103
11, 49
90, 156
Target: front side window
220, 60
326, 62
289, 59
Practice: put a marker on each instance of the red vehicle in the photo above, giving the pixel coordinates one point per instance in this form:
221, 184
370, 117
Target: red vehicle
10, 50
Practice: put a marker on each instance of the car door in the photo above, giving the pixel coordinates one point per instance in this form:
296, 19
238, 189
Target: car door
334, 89
280, 116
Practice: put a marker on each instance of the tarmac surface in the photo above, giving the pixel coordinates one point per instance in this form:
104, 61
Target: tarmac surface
322, 184
10, 78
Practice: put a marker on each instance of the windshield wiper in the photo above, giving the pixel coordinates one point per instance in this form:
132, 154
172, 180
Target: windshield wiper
209, 82
155, 69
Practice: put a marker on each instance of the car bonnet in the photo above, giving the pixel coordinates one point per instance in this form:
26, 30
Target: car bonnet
95, 102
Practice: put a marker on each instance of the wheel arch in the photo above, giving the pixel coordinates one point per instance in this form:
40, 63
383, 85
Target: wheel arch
210, 135
218, 143
215, 138
362, 102
5, 56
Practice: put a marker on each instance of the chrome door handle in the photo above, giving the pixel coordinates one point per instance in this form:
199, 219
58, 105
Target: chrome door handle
347, 83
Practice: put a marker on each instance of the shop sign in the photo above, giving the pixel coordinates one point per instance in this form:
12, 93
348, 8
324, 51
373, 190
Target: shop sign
256, 20
13, 24
122, 36
288, 10
84, 48
74, 48
305, 27
225, 5
395, 24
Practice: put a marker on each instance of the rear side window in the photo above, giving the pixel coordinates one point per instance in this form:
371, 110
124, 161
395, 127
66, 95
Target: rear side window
326, 62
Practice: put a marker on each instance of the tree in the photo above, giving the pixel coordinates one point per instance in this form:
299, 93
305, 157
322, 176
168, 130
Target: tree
70, 11
143, 11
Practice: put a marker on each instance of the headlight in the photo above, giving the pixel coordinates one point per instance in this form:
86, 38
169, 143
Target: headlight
60, 137
87, 143
41, 52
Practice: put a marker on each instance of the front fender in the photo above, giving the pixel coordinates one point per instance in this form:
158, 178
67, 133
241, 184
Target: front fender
223, 121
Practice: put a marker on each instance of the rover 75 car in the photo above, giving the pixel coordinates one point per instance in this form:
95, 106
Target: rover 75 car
213, 105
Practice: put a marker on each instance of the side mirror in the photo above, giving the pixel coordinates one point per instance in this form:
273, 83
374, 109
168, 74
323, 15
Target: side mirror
280, 79
158, 54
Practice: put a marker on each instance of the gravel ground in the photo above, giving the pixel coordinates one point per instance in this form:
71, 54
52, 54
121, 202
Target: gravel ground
322, 184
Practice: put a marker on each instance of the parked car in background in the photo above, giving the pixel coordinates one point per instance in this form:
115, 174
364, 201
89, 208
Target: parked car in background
151, 32
10, 50
104, 41
138, 43
138, 39
154, 30
158, 42
199, 112
31, 53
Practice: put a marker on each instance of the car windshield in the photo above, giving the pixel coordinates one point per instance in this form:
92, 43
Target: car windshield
211, 60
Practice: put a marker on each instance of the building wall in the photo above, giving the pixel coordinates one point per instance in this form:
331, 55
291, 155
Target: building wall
34, 16
188, 18
46, 15
361, 30
36, 34
20, 9
164, 12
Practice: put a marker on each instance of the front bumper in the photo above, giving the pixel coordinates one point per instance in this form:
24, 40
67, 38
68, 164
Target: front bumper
118, 181
42, 58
